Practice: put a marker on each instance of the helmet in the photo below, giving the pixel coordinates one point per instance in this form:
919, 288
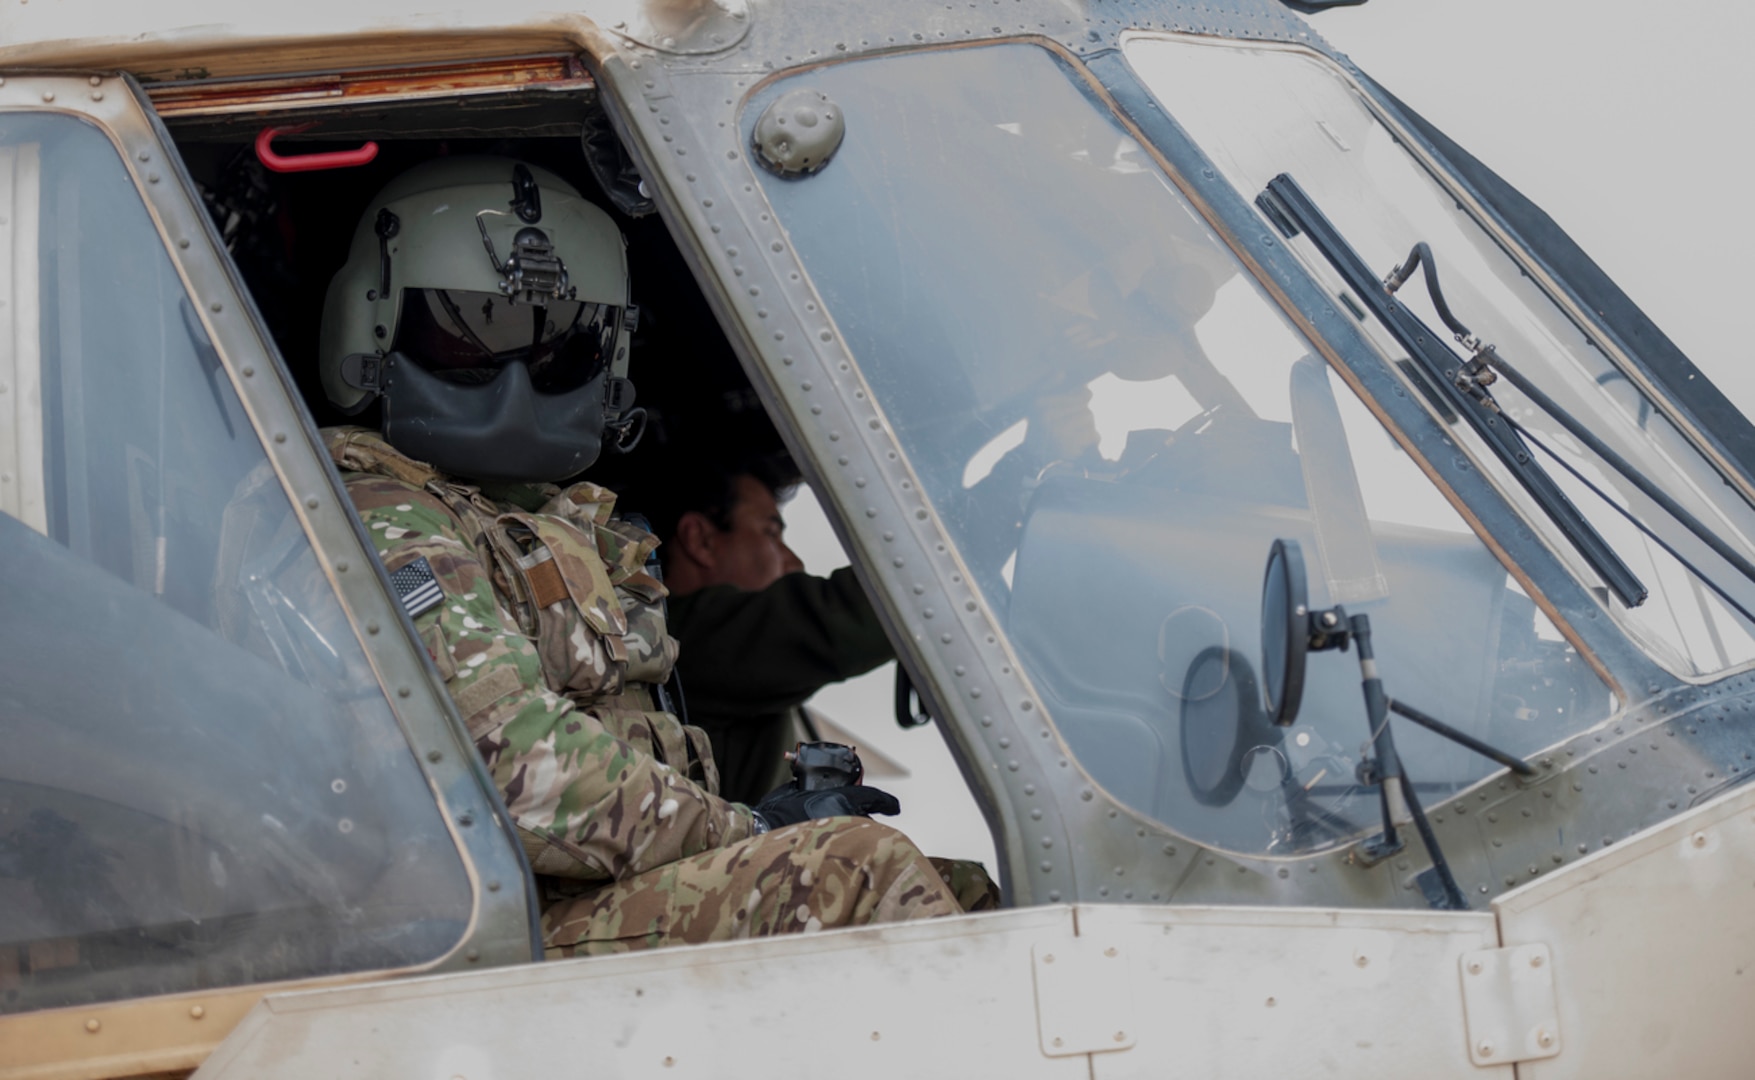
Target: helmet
486, 303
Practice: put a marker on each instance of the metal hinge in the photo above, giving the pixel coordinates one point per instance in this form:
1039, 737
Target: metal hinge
1084, 997
1509, 1004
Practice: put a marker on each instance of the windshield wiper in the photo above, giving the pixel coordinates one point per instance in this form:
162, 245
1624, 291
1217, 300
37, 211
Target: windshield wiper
1463, 383
1483, 367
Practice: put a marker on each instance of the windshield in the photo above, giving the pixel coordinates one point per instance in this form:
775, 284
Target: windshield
1114, 424
202, 784
1258, 111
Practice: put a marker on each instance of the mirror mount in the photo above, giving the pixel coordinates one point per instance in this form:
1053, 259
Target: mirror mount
1289, 631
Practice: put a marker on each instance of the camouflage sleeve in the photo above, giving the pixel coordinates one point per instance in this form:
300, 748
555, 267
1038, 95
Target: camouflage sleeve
589, 805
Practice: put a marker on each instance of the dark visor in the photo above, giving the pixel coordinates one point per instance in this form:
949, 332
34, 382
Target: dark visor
467, 337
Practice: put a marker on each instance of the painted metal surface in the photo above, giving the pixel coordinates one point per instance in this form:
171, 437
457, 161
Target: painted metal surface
1508, 997
1216, 993
1653, 949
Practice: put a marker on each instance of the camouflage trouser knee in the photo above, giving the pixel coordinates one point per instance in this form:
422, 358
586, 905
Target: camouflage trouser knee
814, 876
968, 882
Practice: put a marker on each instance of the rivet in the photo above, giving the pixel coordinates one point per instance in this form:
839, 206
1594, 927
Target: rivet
1121, 1036
1474, 967
1110, 951
403, 691
49, 95
1545, 1038
435, 756
215, 306
183, 243
371, 628
248, 372
472, 955
1484, 1048
1048, 958
1699, 839
341, 567
280, 436
466, 819
196, 1012
97, 95
1536, 960
311, 503
90, 1025
1362, 960
493, 886
1057, 1040
152, 178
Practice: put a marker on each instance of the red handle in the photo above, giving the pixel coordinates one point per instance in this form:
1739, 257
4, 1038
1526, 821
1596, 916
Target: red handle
334, 159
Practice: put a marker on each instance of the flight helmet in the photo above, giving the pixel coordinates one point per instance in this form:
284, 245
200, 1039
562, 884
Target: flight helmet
485, 303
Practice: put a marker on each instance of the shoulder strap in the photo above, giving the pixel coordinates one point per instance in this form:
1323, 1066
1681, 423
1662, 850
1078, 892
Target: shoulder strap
358, 449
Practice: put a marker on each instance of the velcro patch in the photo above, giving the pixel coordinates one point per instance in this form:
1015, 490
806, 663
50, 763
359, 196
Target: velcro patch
417, 587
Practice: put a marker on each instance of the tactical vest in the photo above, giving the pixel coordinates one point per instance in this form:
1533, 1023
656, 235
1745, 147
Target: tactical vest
574, 577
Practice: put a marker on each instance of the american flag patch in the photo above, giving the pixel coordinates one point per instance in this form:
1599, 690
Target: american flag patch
417, 587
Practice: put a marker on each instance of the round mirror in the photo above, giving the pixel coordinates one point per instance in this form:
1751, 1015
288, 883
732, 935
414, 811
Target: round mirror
1222, 724
1285, 631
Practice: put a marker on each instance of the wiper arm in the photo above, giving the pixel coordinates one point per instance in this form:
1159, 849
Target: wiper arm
1461, 382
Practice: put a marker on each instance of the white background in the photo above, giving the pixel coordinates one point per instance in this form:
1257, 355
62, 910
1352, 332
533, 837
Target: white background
1625, 120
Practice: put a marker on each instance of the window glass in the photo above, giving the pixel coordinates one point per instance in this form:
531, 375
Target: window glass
1258, 111
202, 783
1114, 424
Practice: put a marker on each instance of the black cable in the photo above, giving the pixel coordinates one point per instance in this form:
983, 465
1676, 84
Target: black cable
1621, 465
1637, 524
1421, 256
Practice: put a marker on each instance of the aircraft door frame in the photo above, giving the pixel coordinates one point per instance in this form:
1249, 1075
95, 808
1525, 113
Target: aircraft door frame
176, 1031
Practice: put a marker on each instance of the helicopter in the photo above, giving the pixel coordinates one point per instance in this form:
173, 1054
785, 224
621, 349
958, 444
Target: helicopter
1335, 592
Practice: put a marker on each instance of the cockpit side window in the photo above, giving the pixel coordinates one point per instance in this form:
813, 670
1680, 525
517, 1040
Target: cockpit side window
203, 784
1114, 423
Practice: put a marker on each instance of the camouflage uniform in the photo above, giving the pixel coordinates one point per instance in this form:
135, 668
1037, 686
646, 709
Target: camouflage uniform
548, 635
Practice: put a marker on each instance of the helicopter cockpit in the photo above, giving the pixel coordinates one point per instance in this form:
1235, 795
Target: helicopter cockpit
1066, 329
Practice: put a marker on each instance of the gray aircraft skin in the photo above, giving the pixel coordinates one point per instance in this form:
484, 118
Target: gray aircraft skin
1070, 311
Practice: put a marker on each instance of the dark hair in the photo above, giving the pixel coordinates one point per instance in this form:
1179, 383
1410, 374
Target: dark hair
710, 488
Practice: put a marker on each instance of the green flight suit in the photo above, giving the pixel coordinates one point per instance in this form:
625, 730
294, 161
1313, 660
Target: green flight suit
750, 658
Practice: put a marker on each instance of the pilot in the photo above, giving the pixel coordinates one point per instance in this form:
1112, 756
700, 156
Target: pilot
483, 310
759, 635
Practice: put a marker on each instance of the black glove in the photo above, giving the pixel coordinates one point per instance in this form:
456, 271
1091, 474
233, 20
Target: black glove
787, 805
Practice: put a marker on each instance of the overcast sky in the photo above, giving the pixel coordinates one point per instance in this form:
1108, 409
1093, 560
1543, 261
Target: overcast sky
1626, 121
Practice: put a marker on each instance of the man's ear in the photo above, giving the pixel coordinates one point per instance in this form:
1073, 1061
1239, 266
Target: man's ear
697, 539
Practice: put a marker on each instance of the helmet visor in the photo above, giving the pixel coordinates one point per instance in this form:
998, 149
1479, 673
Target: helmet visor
468, 337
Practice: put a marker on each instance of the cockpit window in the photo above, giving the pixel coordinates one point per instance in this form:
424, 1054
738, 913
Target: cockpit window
1260, 110
202, 784
1114, 423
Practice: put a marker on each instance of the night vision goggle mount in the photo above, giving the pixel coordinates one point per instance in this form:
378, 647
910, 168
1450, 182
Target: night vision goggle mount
533, 274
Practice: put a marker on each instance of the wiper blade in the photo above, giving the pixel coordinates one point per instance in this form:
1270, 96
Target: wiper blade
1458, 380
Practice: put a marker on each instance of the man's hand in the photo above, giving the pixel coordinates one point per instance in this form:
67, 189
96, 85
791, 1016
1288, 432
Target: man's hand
788, 805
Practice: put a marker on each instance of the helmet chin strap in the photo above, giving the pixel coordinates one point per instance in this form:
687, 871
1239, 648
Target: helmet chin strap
625, 434
623, 423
